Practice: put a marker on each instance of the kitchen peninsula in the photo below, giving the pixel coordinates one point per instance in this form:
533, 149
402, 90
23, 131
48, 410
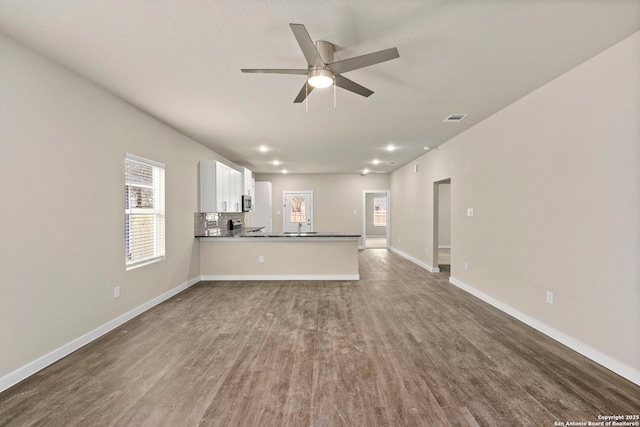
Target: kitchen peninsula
248, 254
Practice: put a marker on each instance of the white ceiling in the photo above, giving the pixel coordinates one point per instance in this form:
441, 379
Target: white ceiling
180, 62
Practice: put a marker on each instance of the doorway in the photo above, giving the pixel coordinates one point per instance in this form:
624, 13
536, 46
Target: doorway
375, 219
442, 225
298, 211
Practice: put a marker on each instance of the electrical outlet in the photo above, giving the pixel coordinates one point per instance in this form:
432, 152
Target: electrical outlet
261, 258
549, 297
116, 292
466, 266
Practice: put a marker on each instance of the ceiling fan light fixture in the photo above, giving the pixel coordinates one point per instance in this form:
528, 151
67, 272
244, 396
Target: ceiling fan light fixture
320, 78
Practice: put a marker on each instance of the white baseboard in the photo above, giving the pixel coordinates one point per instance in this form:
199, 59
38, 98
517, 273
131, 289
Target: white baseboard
608, 362
444, 247
57, 354
427, 267
269, 277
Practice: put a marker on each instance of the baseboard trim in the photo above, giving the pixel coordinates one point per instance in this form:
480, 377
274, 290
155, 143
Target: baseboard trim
608, 362
444, 247
427, 267
26, 371
271, 277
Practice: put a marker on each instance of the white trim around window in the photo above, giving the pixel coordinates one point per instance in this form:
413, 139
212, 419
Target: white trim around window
144, 211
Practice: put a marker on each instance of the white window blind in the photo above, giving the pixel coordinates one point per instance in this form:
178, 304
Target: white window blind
143, 211
379, 211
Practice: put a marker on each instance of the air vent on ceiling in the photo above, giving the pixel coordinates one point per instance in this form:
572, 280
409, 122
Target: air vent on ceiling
455, 117
392, 163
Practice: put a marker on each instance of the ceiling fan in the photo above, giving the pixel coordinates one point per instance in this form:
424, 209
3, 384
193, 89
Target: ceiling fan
322, 71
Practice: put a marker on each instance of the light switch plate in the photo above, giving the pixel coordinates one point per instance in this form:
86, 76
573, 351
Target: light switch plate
470, 212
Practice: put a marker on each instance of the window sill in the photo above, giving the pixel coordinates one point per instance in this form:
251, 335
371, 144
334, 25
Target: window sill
143, 263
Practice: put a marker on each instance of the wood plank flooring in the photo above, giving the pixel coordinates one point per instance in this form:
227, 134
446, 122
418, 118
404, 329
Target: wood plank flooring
401, 347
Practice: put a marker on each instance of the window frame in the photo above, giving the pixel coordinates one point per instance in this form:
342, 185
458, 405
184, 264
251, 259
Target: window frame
157, 211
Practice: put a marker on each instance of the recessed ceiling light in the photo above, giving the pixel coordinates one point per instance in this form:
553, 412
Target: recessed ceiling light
455, 117
366, 171
427, 148
284, 171
391, 147
263, 148
376, 162
276, 162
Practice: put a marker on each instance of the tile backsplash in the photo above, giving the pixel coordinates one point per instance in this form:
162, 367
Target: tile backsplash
214, 223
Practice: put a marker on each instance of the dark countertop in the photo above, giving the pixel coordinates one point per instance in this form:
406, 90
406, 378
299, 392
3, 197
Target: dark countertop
255, 232
249, 231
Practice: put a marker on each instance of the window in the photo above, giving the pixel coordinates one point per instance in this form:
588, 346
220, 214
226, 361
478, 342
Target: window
143, 211
380, 211
298, 209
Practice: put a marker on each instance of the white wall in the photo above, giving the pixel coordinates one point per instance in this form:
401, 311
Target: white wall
337, 203
62, 148
554, 181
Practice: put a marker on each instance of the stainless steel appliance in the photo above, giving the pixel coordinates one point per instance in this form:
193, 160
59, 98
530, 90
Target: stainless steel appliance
246, 204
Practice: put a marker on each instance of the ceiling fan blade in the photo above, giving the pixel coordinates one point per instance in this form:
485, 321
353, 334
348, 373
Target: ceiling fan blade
274, 70
306, 44
352, 86
306, 90
351, 64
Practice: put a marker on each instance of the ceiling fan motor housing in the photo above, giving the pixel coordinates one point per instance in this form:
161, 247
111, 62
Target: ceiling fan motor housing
326, 50
322, 77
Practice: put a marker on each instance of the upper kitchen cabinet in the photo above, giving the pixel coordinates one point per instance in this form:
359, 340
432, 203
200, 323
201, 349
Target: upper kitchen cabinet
220, 187
247, 183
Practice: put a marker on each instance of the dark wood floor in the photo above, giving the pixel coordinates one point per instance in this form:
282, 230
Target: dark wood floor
399, 347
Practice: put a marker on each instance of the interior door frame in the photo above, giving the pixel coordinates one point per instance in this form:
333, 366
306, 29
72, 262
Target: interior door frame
436, 223
387, 194
284, 210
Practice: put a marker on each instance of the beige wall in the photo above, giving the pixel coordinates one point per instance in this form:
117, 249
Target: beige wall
336, 198
554, 181
314, 258
62, 148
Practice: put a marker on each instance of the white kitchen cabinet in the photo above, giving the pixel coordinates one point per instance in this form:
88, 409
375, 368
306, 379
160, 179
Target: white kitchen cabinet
220, 187
247, 183
235, 188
